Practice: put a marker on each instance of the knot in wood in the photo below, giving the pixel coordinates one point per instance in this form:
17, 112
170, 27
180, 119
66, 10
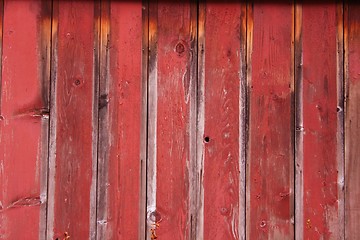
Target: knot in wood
180, 48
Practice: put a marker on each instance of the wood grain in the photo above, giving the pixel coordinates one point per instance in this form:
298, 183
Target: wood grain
171, 95
24, 118
120, 115
270, 150
299, 123
222, 186
179, 120
352, 120
73, 121
320, 122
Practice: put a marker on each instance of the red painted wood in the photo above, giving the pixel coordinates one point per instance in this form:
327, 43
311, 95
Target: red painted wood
122, 123
24, 98
320, 194
125, 73
74, 110
221, 130
270, 150
174, 95
352, 167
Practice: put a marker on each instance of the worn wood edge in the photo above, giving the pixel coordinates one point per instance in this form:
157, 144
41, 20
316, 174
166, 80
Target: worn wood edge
152, 120
95, 119
299, 124
194, 193
103, 121
249, 46
340, 117
200, 121
45, 61
144, 118
53, 122
243, 120
292, 170
346, 102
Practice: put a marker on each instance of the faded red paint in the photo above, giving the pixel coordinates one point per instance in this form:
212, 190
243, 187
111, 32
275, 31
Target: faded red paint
24, 98
107, 41
270, 151
123, 123
174, 87
319, 80
221, 130
74, 93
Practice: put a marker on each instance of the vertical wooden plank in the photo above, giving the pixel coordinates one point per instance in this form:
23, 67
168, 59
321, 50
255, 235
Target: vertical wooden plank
320, 109
200, 121
151, 161
121, 119
24, 118
104, 224
270, 151
193, 168
352, 120
74, 121
223, 210
340, 133
299, 125
172, 42
52, 131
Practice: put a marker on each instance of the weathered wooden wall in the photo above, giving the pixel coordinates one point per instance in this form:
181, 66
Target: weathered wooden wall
179, 120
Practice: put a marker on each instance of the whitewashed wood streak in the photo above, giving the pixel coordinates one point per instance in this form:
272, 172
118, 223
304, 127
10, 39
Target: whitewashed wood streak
144, 112
340, 137
249, 44
45, 49
192, 97
299, 130
200, 152
95, 123
152, 123
53, 124
242, 124
102, 232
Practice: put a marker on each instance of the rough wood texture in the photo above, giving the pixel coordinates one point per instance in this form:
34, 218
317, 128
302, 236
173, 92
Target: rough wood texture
200, 122
270, 151
299, 122
222, 185
104, 224
74, 122
120, 109
24, 119
319, 110
171, 89
163, 116
144, 118
352, 121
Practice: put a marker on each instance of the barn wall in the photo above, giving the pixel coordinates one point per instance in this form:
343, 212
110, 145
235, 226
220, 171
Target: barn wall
179, 120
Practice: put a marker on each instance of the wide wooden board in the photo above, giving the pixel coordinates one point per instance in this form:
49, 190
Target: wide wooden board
74, 107
120, 119
24, 118
224, 50
270, 190
172, 42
